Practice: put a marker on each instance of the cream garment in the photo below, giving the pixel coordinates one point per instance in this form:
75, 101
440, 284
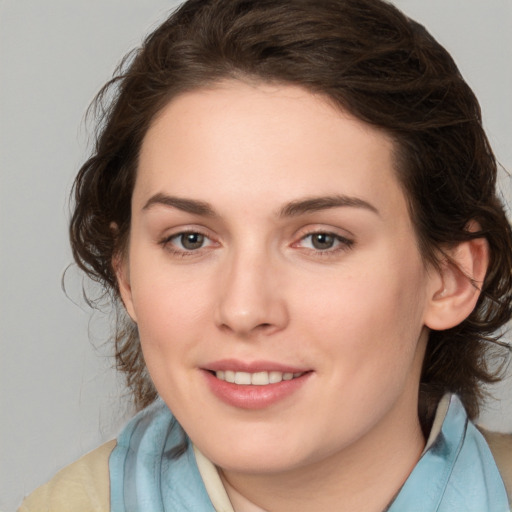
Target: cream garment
81, 487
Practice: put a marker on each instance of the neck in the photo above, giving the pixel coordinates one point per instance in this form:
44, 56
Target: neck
365, 476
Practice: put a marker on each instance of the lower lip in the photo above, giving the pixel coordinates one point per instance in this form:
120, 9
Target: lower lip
254, 397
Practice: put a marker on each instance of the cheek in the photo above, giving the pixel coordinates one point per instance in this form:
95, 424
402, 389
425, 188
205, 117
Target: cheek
169, 329
167, 304
377, 311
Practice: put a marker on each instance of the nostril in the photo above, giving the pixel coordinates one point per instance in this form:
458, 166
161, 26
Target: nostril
265, 327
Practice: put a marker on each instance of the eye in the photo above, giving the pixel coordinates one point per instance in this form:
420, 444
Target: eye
187, 242
323, 241
190, 241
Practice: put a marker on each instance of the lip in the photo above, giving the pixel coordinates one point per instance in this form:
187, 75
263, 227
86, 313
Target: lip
252, 367
253, 397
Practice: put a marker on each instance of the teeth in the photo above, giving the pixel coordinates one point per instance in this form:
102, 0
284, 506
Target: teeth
259, 379
274, 377
242, 378
256, 379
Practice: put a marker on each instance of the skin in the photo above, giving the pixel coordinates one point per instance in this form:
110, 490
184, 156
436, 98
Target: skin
354, 314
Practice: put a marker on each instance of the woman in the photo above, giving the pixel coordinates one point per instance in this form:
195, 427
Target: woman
295, 203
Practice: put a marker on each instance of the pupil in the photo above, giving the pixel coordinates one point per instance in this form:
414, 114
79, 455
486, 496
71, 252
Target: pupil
192, 240
322, 241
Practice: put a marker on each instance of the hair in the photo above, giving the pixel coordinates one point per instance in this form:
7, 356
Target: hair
365, 57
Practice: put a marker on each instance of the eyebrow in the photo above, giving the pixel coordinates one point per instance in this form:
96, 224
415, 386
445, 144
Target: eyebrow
292, 209
314, 204
187, 205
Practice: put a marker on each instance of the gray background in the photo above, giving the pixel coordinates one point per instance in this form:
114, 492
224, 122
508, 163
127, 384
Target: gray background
58, 395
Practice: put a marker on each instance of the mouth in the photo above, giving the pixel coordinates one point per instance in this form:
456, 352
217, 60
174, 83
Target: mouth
255, 385
262, 378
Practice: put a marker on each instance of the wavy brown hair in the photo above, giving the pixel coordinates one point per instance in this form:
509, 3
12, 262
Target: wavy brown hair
365, 57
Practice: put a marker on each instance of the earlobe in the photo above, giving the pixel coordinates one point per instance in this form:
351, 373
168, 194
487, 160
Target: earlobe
456, 283
121, 269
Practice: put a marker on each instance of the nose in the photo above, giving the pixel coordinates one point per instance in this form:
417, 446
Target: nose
251, 298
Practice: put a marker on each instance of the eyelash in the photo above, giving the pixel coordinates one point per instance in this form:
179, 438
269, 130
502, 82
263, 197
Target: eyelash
342, 244
167, 243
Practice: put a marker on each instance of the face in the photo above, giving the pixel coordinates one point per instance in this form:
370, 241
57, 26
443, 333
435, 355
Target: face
274, 275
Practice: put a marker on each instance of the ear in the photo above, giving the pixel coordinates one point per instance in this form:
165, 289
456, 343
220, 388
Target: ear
455, 285
121, 267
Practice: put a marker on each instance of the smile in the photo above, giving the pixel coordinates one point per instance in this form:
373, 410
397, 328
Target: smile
256, 389
255, 379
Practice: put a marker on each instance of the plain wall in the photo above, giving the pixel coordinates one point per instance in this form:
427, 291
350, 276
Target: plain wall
59, 396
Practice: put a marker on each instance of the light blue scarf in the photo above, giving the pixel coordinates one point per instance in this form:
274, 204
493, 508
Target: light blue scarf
145, 477
456, 474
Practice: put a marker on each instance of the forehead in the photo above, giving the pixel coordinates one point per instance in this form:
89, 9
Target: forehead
253, 139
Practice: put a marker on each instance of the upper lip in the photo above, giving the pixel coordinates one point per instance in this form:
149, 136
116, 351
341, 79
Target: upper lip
252, 366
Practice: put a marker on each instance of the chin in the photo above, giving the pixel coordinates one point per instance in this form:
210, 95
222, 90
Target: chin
258, 455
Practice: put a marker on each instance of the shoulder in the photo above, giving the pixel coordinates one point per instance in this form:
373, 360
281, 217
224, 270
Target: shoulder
82, 486
501, 448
